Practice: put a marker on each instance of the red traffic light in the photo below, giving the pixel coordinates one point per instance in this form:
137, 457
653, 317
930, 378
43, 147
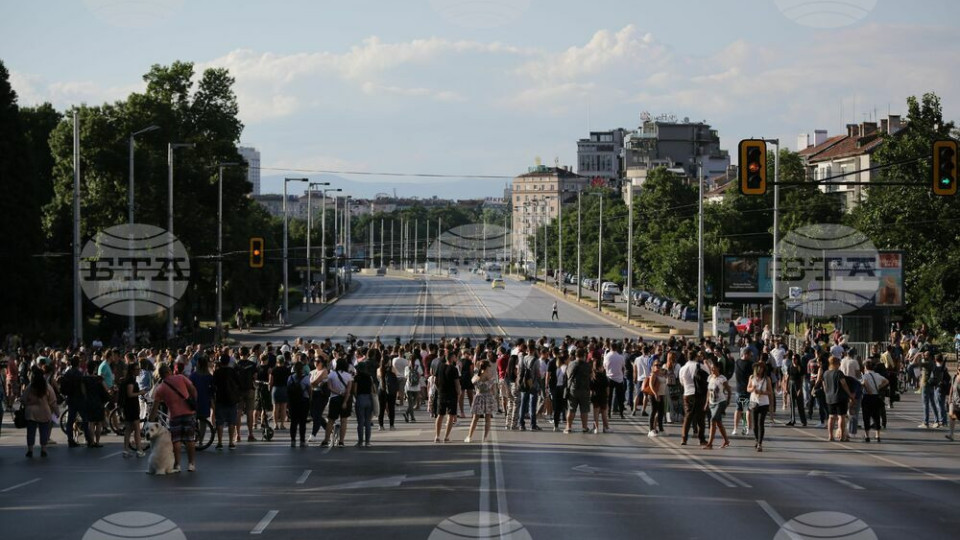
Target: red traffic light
753, 167
256, 252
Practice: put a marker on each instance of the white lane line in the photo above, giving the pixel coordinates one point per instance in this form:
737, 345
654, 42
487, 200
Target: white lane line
115, 454
778, 519
501, 489
646, 478
265, 522
836, 478
27, 483
304, 476
881, 458
484, 491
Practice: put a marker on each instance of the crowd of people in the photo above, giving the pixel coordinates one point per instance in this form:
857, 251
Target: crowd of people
571, 385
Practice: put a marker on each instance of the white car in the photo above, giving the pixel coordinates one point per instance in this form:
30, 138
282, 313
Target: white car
498, 284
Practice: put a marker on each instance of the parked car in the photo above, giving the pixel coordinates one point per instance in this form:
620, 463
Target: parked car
452, 271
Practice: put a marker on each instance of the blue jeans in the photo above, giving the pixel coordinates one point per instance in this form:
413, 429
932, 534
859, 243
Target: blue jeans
941, 398
928, 393
364, 408
528, 402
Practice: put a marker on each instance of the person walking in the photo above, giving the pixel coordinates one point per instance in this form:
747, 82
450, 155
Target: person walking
694, 400
838, 397
341, 388
599, 389
40, 405
484, 402
873, 385
718, 395
364, 388
795, 384
554, 315
928, 389
761, 394
656, 390
954, 400
578, 390
529, 379
557, 383
447, 382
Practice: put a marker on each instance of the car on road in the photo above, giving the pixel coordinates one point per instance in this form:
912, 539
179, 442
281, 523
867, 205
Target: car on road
452, 271
498, 284
743, 324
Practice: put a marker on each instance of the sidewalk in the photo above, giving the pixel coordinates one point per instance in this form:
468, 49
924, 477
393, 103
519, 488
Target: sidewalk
642, 321
298, 315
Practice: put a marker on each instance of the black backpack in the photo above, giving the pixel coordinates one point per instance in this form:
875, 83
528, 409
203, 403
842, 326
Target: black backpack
527, 376
295, 392
247, 371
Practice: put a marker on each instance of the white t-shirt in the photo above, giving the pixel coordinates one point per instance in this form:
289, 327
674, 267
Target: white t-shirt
642, 366
613, 363
759, 395
686, 377
400, 365
850, 367
715, 389
339, 381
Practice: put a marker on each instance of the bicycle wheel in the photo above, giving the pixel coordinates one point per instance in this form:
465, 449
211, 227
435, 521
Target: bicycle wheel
204, 433
113, 420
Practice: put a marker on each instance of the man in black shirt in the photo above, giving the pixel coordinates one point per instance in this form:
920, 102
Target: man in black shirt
742, 370
447, 381
247, 371
795, 376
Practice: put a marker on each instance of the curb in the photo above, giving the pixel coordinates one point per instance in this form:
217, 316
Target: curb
309, 318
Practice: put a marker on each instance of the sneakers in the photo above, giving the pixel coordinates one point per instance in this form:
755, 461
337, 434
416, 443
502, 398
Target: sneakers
596, 430
467, 440
191, 468
938, 425
652, 433
127, 454
219, 447
311, 440
566, 431
232, 446
175, 470
607, 430
821, 424
141, 453
924, 426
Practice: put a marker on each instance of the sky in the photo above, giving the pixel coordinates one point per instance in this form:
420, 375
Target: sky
484, 87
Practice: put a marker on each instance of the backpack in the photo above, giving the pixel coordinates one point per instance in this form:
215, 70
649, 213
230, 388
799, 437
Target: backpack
246, 370
700, 379
295, 392
414, 378
526, 377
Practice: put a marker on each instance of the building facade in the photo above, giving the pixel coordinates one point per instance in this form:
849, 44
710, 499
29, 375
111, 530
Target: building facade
680, 146
252, 157
600, 155
536, 200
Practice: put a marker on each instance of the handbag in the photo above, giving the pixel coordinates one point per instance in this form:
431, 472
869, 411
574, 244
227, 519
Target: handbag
20, 417
191, 402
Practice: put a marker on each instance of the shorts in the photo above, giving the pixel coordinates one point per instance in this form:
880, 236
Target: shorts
337, 410
279, 394
837, 409
446, 406
578, 402
182, 428
717, 411
248, 400
743, 401
226, 414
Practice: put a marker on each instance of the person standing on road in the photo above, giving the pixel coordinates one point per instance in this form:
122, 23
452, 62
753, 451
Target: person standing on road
954, 399
341, 386
599, 388
928, 388
278, 388
40, 403
298, 394
529, 380
484, 403
320, 395
247, 373
174, 391
554, 316
761, 394
614, 365
718, 395
447, 381
389, 388
694, 398
795, 381
226, 386
413, 373
873, 385
128, 402
838, 397
656, 390
578, 390
71, 386
557, 383
941, 378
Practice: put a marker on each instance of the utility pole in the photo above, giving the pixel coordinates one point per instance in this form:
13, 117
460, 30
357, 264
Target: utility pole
381, 242
77, 300
629, 246
700, 275
579, 242
600, 258
776, 234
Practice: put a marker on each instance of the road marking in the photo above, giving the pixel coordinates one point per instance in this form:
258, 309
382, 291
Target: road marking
396, 481
646, 478
836, 478
881, 458
778, 519
304, 476
484, 491
501, 489
265, 522
586, 469
27, 483
115, 454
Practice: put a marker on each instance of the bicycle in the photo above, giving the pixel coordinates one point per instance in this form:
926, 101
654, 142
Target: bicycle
202, 428
745, 407
266, 413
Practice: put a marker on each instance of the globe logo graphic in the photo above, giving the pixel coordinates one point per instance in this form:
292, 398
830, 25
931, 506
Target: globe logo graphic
134, 526
134, 269
827, 270
826, 13
481, 14
480, 525
821, 525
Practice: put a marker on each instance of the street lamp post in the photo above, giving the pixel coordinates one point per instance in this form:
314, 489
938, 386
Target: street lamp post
310, 187
600, 257
132, 317
323, 244
286, 277
218, 331
629, 247
700, 275
579, 243
170, 148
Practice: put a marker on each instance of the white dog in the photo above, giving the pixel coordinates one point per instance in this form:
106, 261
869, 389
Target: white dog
161, 455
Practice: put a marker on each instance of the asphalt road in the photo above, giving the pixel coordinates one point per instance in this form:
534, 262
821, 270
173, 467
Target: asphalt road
541, 485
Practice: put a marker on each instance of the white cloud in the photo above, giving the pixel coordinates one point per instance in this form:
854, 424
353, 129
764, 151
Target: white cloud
605, 49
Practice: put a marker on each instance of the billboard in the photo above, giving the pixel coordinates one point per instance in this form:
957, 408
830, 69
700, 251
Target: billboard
874, 282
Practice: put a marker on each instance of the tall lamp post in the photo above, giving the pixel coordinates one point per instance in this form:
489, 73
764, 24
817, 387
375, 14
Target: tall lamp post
600, 253
629, 247
323, 244
579, 243
310, 187
218, 331
170, 148
132, 317
286, 277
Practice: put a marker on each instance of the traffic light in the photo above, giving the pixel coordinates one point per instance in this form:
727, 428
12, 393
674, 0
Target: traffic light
945, 167
753, 167
256, 252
